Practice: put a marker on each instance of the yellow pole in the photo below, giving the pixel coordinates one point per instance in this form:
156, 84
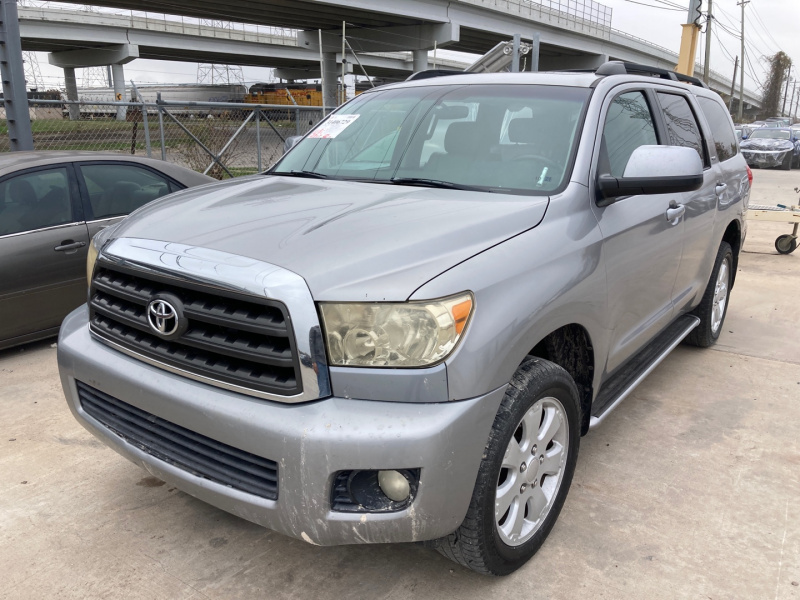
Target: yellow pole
686, 59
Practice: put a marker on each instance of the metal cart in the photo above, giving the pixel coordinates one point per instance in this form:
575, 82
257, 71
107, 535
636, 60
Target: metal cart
784, 244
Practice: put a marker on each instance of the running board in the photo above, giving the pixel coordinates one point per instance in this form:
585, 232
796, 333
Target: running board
622, 383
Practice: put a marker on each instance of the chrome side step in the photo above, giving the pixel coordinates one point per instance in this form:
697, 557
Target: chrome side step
623, 383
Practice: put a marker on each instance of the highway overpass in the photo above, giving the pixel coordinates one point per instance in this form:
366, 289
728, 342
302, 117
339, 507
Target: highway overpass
573, 34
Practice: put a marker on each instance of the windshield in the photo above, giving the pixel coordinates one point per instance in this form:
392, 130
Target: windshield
505, 138
772, 134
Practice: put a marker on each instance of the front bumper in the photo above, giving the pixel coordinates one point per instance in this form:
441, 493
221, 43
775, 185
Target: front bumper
765, 158
309, 441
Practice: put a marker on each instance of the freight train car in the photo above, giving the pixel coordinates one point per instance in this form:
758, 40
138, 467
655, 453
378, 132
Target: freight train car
149, 93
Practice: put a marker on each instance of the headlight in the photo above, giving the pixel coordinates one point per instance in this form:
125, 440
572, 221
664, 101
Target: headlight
95, 246
405, 334
91, 258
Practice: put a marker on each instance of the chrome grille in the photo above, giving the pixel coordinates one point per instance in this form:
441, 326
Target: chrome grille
231, 338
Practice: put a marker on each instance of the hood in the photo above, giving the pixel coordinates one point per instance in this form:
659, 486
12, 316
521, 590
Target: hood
766, 144
348, 240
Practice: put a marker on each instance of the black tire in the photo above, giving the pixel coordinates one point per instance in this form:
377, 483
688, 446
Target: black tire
787, 164
704, 335
786, 244
476, 544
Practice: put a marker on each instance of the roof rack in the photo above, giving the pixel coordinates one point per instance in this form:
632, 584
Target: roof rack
618, 67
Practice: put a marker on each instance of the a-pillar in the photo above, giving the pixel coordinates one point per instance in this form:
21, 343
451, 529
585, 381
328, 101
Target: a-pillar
420, 60
330, 77
72, 93
118, 74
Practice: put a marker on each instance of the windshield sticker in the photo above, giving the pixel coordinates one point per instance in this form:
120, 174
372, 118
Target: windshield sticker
335, 125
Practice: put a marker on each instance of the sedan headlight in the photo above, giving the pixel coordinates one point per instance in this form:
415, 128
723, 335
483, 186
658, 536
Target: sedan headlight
404, 334
95, 245
91, 258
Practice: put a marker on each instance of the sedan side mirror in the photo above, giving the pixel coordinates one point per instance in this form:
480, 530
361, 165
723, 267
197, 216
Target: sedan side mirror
654, 170
744, 137
291, 142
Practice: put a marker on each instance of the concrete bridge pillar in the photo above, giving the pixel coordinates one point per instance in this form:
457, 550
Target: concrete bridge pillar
420, 60
330, 75
72, 93
118, 74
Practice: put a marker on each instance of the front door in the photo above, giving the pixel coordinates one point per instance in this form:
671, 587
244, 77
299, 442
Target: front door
641, 248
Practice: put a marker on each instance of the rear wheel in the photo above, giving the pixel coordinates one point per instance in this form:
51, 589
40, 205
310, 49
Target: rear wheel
525, 474
714, 306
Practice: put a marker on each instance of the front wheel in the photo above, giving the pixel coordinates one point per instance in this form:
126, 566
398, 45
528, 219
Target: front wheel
787, 164
714, 305
525, 473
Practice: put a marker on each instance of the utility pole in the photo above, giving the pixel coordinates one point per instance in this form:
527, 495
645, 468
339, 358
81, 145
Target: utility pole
786, 91
707, 60
12, 72
791, 101
742, 3
689, 36
733, 85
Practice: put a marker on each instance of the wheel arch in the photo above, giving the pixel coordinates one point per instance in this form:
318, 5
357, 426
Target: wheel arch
570, 347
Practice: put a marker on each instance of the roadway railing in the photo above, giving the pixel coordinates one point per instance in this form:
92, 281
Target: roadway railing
221, 139
585, 16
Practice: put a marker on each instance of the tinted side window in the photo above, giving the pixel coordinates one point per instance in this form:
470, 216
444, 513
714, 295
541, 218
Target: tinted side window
629, 125
35, 200
682, 128
721, 129
120, 189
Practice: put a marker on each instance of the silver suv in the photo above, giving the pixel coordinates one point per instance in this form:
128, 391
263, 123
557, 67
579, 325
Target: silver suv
402, 330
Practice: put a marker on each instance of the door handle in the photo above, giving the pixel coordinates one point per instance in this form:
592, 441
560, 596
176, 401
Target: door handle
67, 245
721, 187
675, 212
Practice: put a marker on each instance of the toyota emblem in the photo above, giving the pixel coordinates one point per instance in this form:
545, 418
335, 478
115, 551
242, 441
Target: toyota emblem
163, 317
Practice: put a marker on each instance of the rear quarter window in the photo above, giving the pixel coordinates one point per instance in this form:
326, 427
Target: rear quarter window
721, 128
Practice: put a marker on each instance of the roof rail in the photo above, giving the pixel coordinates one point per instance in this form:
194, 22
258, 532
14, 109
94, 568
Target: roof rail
618, 67
429, 73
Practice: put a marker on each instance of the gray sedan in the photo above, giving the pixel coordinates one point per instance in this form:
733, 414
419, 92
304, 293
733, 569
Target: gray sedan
51, 204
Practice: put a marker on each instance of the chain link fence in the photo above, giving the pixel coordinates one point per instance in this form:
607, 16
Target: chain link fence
220, 139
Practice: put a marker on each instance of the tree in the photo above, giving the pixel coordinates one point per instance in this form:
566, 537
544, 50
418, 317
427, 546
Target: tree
780, 64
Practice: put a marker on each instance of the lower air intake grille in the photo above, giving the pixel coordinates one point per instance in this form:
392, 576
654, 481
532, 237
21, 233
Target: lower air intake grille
190, 451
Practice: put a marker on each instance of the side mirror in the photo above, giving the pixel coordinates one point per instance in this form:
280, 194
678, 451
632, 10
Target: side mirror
291, 142
654, 170
744, 137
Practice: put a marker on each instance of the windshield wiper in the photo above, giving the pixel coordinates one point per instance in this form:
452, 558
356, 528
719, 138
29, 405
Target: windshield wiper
312, 174
434, 183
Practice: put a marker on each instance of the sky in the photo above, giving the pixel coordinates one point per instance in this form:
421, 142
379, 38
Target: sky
770, 25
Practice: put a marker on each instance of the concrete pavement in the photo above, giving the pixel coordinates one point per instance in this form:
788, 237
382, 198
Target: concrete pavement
691, 489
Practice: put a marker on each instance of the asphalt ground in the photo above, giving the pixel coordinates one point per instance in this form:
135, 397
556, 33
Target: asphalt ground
690, 489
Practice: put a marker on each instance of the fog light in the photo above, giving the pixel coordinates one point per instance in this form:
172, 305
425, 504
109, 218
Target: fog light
394, 485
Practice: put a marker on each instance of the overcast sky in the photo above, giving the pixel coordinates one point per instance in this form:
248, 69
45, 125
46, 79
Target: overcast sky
770, 25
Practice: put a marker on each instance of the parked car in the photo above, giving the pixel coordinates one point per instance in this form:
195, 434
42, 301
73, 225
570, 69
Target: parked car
771, 147
779, 121
742, 132
51, 204
401, 331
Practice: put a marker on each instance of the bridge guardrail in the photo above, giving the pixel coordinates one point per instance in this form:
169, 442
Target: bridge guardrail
221, 139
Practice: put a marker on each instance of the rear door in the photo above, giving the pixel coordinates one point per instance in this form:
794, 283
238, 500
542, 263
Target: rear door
641, 248
682, 128
43, 248
113, 189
